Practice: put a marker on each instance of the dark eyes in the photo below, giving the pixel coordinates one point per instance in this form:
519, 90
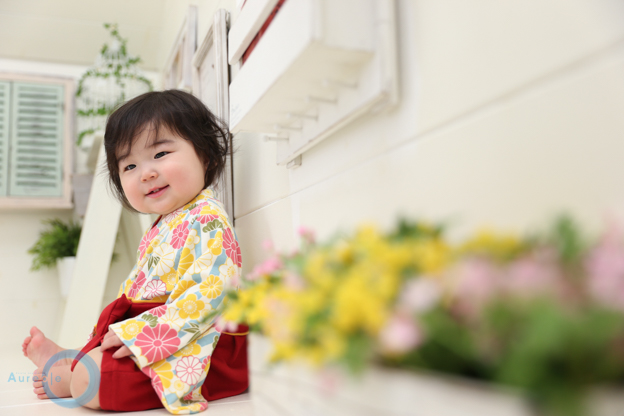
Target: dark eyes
156, 156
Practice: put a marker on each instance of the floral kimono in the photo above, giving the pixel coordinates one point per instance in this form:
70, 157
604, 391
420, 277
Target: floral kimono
185, 261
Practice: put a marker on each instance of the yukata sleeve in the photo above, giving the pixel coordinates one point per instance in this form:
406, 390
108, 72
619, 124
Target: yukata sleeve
206, 266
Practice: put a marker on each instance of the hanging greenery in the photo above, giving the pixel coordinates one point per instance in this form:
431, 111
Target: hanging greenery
113, 79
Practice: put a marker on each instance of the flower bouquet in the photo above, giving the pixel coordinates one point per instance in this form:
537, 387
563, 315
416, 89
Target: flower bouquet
542, 313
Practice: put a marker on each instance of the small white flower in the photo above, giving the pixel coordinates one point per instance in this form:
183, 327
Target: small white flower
192, 239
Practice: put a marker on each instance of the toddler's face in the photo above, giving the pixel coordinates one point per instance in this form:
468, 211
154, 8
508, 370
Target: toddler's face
161, 175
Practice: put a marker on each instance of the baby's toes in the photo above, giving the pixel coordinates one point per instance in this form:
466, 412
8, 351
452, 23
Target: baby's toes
25, 346
37, 384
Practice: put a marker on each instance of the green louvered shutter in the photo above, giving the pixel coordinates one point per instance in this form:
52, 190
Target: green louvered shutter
36, 140
5, 94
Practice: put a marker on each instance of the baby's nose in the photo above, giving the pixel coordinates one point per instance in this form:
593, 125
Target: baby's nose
148, 175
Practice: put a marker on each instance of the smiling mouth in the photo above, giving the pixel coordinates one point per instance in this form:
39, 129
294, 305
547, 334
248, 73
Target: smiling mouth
157, 190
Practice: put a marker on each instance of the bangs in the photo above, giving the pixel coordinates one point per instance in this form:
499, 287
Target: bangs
151, 115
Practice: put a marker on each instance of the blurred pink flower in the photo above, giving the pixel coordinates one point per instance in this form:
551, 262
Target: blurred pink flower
533, 276
475, 281
605, 266
306, 233
271, 264
420, 294
400, 334
222, 325
265, 268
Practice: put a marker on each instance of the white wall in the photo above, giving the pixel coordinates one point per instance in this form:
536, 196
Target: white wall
510, 113
72, 31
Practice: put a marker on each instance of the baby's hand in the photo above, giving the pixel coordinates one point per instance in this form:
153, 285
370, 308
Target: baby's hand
112, 340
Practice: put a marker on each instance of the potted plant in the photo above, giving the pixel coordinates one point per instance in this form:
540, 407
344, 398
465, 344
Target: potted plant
57, 246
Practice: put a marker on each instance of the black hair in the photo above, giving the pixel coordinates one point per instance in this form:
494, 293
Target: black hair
179, 112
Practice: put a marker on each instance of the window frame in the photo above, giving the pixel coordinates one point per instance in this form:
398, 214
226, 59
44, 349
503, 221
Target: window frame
65, 201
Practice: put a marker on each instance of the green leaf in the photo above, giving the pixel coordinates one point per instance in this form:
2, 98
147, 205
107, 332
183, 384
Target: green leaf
150, 319
193, 328
212, 225
153, 261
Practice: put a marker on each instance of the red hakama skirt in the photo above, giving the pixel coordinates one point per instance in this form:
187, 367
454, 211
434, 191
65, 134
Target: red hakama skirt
124, 387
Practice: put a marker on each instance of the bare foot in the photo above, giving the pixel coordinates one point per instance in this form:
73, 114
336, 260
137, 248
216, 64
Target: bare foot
58, 380
38, 348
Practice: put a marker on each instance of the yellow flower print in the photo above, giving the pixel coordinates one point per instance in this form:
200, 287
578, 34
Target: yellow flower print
179, 385
167, 257
175, 222
186, 259
131, 329
211, 287
170, 279
125, 287
205, 194
209, 210
203, 262
181, 287
215, 245
190, 307
163, 369
153, 244
229, 270
172, 318
190, 349
192, 240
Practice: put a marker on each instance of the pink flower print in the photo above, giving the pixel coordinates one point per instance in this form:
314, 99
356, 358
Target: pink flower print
137, 284
188, 397
159, 310
207, 218
189, 369
179, 235
198, 208
158, 342
232, 249
172, 215
146, 240
157, 385
154, 288
206, 362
